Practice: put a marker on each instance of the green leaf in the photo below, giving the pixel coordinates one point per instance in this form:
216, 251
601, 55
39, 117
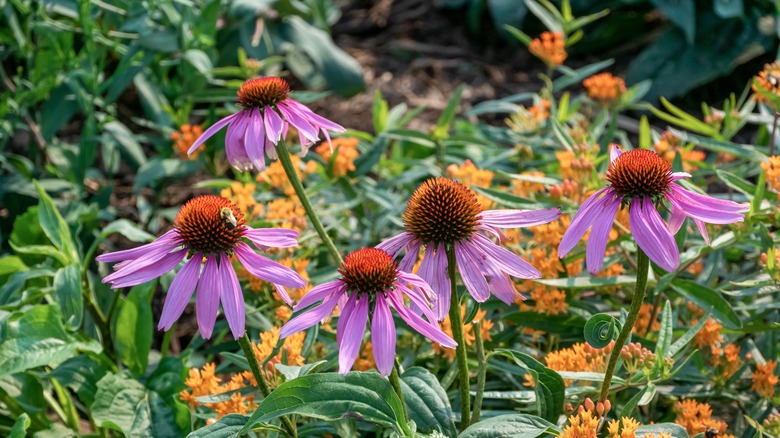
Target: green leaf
80, 374
427, 402
200, 60
156, 171
291, 372
510, 426
19, 430
409, 135
445, 120
680, 12
679, 344
125, 138
54, 225
132, 328
589, 282
228, 426
739, 184
550, 391
675, 430
665, 332
705, 298
570, 325
600, 330
331, 396
67, 294
641, 396
506, 12
728, 8
501, 197
128, 230
550, 21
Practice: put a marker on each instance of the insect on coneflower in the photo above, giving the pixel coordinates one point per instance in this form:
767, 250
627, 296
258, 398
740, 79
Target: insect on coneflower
370, 283
444, 213
640, 180
208, 230
266, 115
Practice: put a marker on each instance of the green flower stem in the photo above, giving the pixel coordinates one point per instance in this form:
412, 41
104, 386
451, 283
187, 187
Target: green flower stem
643, 268
774, 131
246, 347
395, 381
457, 334
481, 371
292, 176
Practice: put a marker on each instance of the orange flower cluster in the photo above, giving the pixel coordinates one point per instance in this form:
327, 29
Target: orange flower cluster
365, 360
524, 188
769, 81
550, 48
643, 320
243, 195
204, 382
468, 331
346, 152
275, 176
669, 145
585, 423
540, 111
569, 188
624, 428
291, 350
470, 175
604, 88
184, 138
697, 417
287, 212
764, 379
772, 169
577, 165
579, 357
725, 360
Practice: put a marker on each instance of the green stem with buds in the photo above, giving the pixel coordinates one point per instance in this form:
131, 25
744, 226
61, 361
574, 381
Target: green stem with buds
254, 365
292, 176
643, 268
457, 334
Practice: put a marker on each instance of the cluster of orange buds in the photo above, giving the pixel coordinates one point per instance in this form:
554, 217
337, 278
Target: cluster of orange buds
569, 188
604, 88
550, 48
540, 111
275, 176
587, 421
768, 80
184, 138
638, 358
345, 151
772, 424
578, 164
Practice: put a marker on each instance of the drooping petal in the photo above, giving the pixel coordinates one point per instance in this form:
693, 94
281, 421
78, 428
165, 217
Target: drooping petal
652, 235
267, 269
168, 240
395, 244
418, 301
207, 297
676, 219
702, 227
272, 237
180, 292
419, 284
318, 120
614, 152
254, 142
232, 298
470, 273
599, 235
283, 294
353, 336
345, 314
519, 218
319, 293
148, 273
433, 270
147, 262
705, 208
383, 337
427, 329
235, 150
273, 125
508, 261
584, 218
293, 117
310, 317
499, 282
676, 176
410, 258
213, 129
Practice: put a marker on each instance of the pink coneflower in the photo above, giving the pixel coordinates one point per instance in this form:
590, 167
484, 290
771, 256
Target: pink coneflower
267, 114
444, 213
370, 280
208, 230
641, 180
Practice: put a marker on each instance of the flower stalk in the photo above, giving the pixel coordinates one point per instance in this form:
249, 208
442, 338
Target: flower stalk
643, 264
457, 334
481, 371
292, 176
254, 365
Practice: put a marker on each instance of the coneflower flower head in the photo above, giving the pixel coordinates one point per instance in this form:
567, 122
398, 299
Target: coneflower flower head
370, 284
641, 181
266, 115
208, 230
443, 214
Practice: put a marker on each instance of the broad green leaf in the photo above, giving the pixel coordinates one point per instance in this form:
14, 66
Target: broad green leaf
628, 408
54, 225
550, 390
127, 229
675, 430
228, 426
132, 328
331, 396
80, 374
291, 372
125, 138
19, 430
550, 21
705, 298
155, 171
200, 60
67, 294
427, 402
743, 151
10, 265
510, 426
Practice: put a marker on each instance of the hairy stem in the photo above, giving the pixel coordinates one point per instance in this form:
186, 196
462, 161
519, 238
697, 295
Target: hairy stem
643, 269
292, 176
457, 334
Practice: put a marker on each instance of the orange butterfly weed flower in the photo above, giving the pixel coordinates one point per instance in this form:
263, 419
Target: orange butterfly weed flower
764, 379
550, 48
604, 88
184, 138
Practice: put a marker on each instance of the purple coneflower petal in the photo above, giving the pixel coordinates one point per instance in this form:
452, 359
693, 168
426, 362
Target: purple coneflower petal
353, 329
703, 231
235, 150
652, 235
588, 213
283, 294
713, 213
267, 269
427, 329
383, 337
599, 235
519, 218
395, 244
148, 273
180, 292
508, 261
319, 293
318, 120
310, 317
211, 131
167, 240
232, 298
272, 237
419, 284
273, 125
676, 219
344, 316
709, 202
470, 273
207, 297
254, 142
294, 118
614, 152
499, 283
410, 258
418, 300
676, 176
142, 263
